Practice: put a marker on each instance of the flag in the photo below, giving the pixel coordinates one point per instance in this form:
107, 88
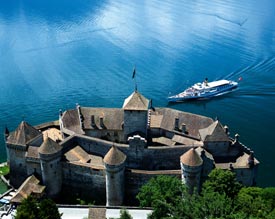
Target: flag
134, 73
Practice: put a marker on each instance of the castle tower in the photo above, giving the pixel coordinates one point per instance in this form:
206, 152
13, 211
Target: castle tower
215, 139
191, 165
16, 145
50, 156
135, 115
114, 162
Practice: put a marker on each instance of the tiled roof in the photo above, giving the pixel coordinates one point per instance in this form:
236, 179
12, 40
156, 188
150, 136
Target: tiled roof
96, 160
29, 186
191, 158
112, 119
162, 118
166, 118
114, 156
136, 102
23, 134
214, 132
49, 146
53, 133
242, 161
164, 141
155, 121
186, 141
71, 121
77, 154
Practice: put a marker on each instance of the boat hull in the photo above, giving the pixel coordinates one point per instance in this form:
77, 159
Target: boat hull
203, 96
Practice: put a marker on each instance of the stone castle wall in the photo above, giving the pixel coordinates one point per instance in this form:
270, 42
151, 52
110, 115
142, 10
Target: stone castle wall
17, 162
152, 158
134, 121
85, 180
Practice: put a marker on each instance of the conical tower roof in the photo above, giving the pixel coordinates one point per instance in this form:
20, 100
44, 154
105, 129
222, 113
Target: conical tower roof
136, 102
49, 146
114, 157
191, 158
23, 134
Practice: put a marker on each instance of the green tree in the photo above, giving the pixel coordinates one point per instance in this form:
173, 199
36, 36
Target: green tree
208, 204
256, 202
30, 208
222, 181
161, 188
124, 214
268, 194
221, 197
48, 210
161, 193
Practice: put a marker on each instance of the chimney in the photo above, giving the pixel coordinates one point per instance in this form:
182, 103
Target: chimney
226, 129
101, 122
251, 159
231, 167
176, 125
93, 120
183, 128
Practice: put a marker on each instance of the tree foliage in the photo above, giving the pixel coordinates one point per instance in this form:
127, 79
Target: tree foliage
221, 197
160, 192
222, 181
124, 214
30, 208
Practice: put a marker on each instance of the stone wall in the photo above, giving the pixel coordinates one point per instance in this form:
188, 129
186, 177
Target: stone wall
217, 149
246, 176
17, 162
134, 121
155, 158
85, 181
33, 166
152, 158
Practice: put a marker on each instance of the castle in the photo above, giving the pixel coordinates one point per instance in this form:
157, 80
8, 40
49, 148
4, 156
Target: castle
109, 153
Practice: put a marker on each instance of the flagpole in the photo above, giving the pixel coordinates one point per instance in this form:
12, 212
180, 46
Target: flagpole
134, 77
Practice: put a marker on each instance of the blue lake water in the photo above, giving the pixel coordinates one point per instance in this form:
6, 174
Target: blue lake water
54, 54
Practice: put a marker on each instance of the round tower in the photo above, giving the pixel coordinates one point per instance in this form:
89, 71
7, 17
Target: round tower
50, 156
114, 162
191, 165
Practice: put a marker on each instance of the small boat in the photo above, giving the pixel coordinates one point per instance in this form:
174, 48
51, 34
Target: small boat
205, 90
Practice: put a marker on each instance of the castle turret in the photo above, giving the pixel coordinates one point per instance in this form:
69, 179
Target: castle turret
50, 156
137, 145
17, 144
114, 162
215, 139
191, 165
135, 115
